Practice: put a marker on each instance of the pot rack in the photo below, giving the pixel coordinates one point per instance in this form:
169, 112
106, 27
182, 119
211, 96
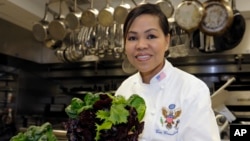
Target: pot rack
86, 42
180, 40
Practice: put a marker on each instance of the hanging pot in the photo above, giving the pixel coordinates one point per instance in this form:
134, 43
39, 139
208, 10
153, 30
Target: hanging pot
105, 16
142, 2
233, 36
189, 14
60, 53
218, 17
58, 27
53, 44
89, 17
68, 54
127, 67
166, 7
76, 48
40, 29
73, 18
121, 12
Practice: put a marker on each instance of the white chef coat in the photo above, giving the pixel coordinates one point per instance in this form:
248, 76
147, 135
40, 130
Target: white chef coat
178, 106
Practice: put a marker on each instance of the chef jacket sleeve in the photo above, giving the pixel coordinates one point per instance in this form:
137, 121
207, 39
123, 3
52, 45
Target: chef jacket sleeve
198, 118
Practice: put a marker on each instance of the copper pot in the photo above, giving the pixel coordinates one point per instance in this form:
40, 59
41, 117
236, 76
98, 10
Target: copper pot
218, 17
106, 15
40, 29
73, 18
166, 7
121, 12
58, 27
189, 14
89, 16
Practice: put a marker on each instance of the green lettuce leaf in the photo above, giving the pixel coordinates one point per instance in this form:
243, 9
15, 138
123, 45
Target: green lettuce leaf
139, 104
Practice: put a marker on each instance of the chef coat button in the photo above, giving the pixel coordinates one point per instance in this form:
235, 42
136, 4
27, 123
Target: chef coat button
152, 113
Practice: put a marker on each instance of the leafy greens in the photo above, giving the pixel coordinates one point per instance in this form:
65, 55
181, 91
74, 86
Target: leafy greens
105, 117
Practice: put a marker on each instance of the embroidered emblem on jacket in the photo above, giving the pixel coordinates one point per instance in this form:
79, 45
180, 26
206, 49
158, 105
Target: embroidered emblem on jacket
170, 116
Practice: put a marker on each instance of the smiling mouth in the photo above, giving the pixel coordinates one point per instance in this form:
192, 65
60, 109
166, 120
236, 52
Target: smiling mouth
142, 57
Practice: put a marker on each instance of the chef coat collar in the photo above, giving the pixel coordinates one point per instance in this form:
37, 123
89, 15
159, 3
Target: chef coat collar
161, 75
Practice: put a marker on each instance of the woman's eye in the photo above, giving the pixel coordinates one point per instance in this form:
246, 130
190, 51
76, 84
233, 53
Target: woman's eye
131, 38
151, 36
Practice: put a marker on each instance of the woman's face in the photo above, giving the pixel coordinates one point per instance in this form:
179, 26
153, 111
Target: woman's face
145, 44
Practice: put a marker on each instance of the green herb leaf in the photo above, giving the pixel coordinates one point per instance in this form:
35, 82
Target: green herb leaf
104, 126
19, 137
77, 105
118, 99
103, 114
118, 114
90, 99
109, 115
139, 104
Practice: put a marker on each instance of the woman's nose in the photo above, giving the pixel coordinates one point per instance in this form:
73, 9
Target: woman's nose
141, 44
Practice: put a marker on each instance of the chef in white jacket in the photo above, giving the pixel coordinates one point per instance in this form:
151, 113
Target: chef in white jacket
178, 103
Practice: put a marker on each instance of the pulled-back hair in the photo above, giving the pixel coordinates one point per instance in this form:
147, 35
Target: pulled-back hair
147, 8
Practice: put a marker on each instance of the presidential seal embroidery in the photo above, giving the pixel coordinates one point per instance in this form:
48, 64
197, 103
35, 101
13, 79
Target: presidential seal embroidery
170, 116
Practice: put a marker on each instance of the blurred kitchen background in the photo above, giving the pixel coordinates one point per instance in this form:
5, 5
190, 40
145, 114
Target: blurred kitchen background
38, 78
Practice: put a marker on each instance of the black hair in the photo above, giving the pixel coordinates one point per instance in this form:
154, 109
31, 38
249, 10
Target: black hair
147, 8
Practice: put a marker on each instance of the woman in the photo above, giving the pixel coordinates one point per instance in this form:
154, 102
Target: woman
178, 103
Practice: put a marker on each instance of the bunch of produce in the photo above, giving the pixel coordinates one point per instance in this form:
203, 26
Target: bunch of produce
36, 133
104, 117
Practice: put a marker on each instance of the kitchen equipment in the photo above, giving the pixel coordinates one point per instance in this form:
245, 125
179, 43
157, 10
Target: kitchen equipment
40, 29
121, 12
68, 54
142, 2
52, 43
234, 34
105, 16
118, 43
222, 122
201, 40
73, 17
75, 47
60, 53
58, 27
118, 39
218, 17
127, 67
238, 102
218, 97
166, 7
237, 96
224, 116
89, 41
189, 14
209, 44
89, 17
